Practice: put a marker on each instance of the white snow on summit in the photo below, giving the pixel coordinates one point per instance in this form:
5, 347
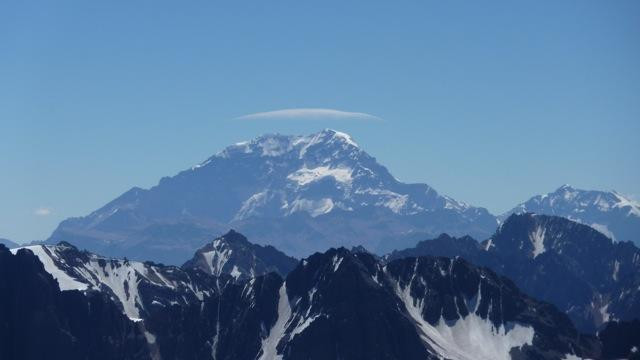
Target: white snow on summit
634, 206
609, 212
305, 176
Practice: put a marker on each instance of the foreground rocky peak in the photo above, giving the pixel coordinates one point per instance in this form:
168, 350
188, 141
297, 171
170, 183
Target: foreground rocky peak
135, 287
39, 321
336, 304
571, 265
430, 307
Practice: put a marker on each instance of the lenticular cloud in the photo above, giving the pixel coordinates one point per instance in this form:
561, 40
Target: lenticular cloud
309, 114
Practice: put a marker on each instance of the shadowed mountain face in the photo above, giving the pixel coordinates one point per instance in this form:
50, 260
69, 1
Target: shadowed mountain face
337, 304
38, 321
621, 340
233, 254
299, 193
570, 265
612, 214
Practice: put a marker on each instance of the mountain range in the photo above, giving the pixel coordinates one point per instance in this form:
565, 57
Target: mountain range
337, 304
304, 194
571, 265
609, 212
236, 300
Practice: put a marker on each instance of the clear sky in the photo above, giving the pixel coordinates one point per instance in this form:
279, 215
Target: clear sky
489, 102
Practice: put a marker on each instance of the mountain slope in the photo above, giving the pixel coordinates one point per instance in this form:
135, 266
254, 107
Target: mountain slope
608, 212
38, 321
8, 243
337, 304
299, 193
233, 254
350, 306
571, 265
135, 287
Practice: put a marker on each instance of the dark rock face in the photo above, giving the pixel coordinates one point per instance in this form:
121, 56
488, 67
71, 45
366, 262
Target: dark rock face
568, 264
348, 305
227, 325
298, 193
134, 287
609, 212
621, 340
38, 321
338, 304
342, 312
451, 291
233, 254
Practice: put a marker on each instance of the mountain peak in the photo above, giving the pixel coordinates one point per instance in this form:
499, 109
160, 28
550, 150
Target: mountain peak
324, 145
233, 254
609, 212
565, 187
300, 193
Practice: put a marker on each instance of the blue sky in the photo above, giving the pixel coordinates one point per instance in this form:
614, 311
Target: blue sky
488, 102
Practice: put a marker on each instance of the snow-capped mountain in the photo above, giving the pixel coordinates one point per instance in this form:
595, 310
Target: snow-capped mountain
299, 193
611, 213
134, 286
233, 254
571, 265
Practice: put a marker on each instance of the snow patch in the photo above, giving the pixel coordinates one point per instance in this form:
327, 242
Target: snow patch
604, 230
235, 272
389, 199
489, 244
305, 175
43, 253
469, 338
217, 258
270, 343
537, 240
604, 313
312, 207
337, 260
623, 202
275, 146
304, 323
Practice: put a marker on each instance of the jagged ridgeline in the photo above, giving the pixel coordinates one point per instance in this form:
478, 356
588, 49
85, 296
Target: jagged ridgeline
337, 304
571, 265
